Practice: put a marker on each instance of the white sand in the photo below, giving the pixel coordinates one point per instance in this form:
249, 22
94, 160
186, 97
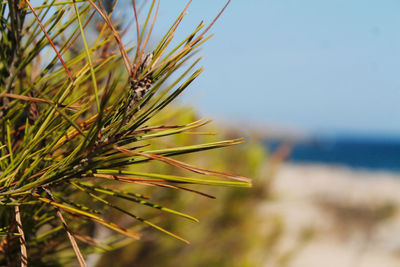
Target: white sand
354, 216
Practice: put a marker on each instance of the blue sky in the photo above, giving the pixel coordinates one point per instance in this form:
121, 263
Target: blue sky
320, 66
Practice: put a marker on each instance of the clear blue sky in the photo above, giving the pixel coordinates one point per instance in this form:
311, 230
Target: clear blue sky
321, 66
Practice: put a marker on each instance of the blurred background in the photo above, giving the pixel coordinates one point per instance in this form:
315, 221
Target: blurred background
313, 87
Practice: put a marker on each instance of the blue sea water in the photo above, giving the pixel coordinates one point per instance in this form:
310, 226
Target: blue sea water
361, 153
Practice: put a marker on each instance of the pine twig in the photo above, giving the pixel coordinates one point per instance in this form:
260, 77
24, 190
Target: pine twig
24, 253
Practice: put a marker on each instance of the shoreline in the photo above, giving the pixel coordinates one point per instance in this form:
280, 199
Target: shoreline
353, 215
389, 172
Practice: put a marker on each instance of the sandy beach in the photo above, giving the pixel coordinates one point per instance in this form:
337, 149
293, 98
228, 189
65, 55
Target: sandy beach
344, 217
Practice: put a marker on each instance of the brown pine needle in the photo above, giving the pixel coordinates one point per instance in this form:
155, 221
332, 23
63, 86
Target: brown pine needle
186, 166
121, 47
70, 234
37, 100
51, 42
211, 24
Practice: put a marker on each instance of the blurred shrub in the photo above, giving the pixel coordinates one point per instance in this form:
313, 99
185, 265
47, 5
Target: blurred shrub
231, 232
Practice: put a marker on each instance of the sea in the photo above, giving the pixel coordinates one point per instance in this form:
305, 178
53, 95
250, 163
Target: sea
380, 154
